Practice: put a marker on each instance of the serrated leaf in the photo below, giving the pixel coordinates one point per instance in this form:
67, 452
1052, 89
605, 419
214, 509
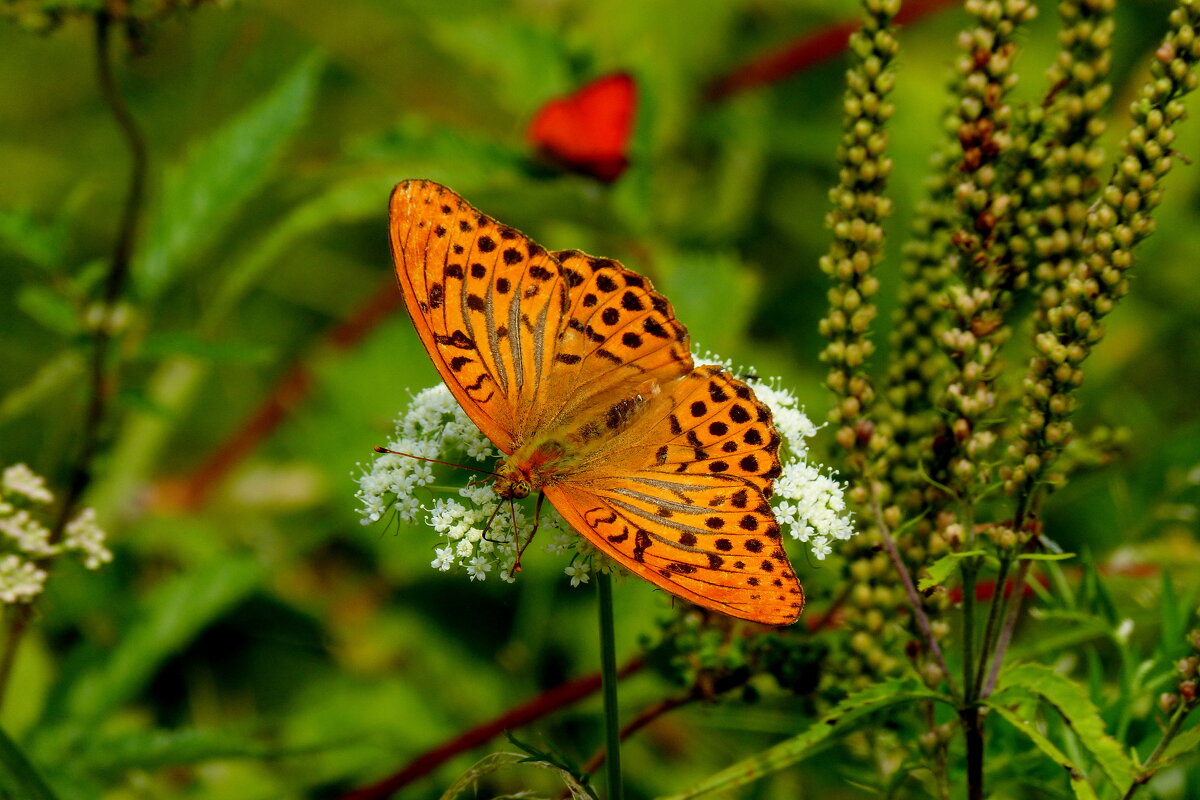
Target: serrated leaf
1071, 701
845, 717
943, 568
1045, 556
48, 308
201, 194
40, 243
1079, 785
171, 616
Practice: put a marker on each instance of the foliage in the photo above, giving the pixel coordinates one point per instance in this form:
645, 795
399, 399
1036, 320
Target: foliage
1012, 385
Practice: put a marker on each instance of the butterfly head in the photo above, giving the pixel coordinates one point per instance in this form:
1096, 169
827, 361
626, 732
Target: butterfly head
512, 483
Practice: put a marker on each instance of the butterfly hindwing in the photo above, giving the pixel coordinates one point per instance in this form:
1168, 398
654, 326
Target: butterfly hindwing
695, 523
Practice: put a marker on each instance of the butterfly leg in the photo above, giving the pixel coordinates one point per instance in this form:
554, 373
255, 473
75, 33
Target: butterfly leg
537, 515
488, 526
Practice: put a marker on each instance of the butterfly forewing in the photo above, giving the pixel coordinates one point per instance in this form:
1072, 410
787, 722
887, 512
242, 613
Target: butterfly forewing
619, 339
487, 301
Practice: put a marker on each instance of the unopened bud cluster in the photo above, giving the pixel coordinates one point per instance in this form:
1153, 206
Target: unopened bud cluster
1187, 670
987, 208
859, 209
1080, 291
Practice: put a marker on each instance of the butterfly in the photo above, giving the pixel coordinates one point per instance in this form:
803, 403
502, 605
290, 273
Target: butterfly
578, 371
588, 131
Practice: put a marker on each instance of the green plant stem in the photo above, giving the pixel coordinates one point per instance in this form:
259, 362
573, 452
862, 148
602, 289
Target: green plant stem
1010, 620
969, 713
910, 591
995, 612
114, 287
608, 679
1147, 772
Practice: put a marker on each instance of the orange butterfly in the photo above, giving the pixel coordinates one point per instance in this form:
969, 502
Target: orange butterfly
588, 131
578, 371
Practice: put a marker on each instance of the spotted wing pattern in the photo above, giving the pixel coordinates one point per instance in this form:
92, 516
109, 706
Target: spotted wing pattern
524, 342
681, 500
619, 339
665, 468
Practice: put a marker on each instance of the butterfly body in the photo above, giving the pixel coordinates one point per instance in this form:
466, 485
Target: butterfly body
578, 371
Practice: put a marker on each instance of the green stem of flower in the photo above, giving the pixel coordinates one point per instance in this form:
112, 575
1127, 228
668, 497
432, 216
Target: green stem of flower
114, 287
1147, 772
18, 621
910, 592
995, 612
608, 678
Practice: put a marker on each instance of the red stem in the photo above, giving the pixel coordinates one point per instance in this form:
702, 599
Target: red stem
805, 52
538, 707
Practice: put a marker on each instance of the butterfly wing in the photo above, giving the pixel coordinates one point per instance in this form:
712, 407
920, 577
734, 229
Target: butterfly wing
526, 342
680, 499
486, 300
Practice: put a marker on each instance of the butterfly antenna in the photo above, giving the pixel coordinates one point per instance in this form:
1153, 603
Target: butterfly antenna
379, 449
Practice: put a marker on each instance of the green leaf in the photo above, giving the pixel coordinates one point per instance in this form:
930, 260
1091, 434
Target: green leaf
1045, 556
1186, 743
183, 343
49, 308
172, 616
53, 377
1083, 790
41, 243
943, 568
17, 776
847, 716
157, 748
203, 192
1071, 701
347, 203
1174, 619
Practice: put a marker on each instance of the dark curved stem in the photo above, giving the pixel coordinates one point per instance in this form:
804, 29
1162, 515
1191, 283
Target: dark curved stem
114, 287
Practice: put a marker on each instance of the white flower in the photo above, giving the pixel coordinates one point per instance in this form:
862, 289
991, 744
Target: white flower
482, 537
31, 536
820, 547
20, 479
479, 568
20, 580
444, 560
578, 573
85, 536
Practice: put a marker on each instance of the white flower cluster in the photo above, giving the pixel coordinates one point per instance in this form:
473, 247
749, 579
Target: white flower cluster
808, 502
21, 578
